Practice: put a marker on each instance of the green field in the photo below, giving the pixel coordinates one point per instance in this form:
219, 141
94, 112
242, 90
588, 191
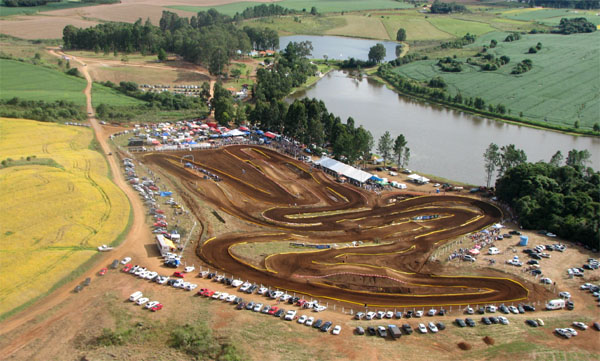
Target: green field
563, 86
550, 17
32, 82
23, 10
459, 28
323, 6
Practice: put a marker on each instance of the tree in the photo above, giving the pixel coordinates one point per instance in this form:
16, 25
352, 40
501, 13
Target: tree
510, 157
578, 158
236, 73
406, 157
313, 11
385, 146
217, 62
557, 158
377, 53
401, 35
491, 158
162, 55
399, 145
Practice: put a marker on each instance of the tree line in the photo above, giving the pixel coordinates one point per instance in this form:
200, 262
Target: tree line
575, 25
59, 110
26, 3
210, 38
565, 4
439, 7
388, 147
561, 196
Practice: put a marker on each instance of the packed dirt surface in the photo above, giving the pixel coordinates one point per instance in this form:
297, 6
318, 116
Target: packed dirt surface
50, 24
288, 200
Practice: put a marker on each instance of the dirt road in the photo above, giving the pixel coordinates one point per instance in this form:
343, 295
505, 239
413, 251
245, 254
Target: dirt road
134, 246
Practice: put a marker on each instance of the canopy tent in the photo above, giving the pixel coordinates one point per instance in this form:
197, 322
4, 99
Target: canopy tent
244, 129
344, 169
270, 135
474, 251
418, 179
234, 133
260, 132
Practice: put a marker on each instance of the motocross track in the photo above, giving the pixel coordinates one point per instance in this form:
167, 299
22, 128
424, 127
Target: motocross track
289, 201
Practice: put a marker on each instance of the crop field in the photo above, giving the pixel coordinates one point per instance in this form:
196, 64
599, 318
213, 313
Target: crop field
53, 217
31, 82
563, 86
459, 28
361, 27
323, 6
550, 17
7, 11
416, 26
310, 25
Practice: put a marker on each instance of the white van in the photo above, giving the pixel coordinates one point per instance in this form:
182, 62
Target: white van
555, 304
135, 296
493, 250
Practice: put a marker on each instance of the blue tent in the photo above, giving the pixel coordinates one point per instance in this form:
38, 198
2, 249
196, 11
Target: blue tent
165, 194
376, 178
214, 136
165, 134
259, 132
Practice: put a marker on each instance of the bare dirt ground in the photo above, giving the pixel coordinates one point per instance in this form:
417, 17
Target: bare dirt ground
49, 25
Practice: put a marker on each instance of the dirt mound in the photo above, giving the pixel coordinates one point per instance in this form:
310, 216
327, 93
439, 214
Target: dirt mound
464, 346
488, 340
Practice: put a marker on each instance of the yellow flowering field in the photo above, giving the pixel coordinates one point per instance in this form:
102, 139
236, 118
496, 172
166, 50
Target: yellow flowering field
53, 216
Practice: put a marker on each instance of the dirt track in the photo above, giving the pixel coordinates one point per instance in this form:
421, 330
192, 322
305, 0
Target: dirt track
289, 201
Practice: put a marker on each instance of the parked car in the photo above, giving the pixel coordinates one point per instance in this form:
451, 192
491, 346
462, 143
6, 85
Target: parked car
178, 274
371, 330
422, 328
102, 272
503, 320
336, 330
359, 330
531, 323
382, 331
470, 322
460, 322
326, 326
580, 325
440, 325
432, 327
407, 329
309, 321
157, 307
486, 321
126, 260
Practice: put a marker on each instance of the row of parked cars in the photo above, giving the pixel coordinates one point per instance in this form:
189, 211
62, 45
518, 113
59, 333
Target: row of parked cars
250, 288
274, 310
139, 299
396, 332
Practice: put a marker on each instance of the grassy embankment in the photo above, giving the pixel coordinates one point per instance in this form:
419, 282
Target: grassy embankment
54, 216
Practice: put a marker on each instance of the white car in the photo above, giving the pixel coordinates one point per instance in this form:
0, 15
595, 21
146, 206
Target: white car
503, 320
230, 298
571, 331
203, 274
104, 248
290, 315
469, 310
142, 300
320, 308
389, 314
135, 296
257, 307
162, 280
185, 285
149, 305
262, 290
540, 322
218, 278
191, 287
302, 319
546, 281
432, 327
276, 294
223, 296
586, 286
151, 275
580, 325
564, 294
178, 284
490, 309
370, 315
419, 313
336, 330
236, 283
285, 297
189, 269
432, 312
139, 271
134, 269
310, 321
245, 287
126, 260
513, 309
422, 328
216, 295
380, 314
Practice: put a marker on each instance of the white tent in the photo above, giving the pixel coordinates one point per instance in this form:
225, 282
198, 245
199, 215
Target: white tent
344, 169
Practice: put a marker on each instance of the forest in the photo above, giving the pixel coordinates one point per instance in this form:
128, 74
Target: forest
564, 200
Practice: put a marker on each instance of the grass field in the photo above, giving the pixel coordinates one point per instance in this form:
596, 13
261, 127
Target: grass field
562, 87
361, 26
550, 17
309, 25
53, 218
323, 6
31, 82
416, 26
23, 10
459, 28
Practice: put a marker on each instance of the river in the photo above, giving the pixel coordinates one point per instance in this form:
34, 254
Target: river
340, 48
443, 142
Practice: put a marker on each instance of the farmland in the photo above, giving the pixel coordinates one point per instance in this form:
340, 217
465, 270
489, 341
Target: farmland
549, 17
323, 6
31, 82
7, 11
561, 88
53, 217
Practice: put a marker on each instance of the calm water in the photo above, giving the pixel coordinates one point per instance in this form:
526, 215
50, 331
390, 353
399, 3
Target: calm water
443, 142
340, 48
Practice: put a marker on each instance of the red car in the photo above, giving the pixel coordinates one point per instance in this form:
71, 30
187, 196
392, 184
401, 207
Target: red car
301, 302
204, 291
102, 272
127, 268
157, 307
273, 309
159, 211
210, 293
179, 274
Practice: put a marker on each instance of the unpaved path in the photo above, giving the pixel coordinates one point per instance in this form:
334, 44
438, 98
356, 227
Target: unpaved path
137, 239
